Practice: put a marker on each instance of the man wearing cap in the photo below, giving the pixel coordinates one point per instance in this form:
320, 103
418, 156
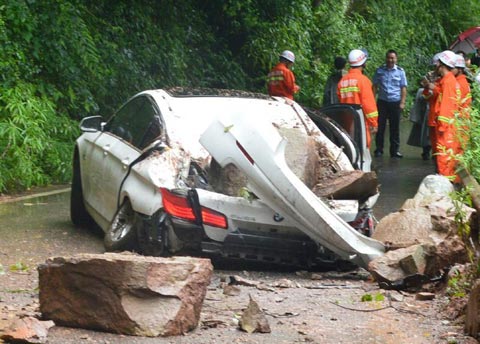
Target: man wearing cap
356, 88
281, 80
390, 84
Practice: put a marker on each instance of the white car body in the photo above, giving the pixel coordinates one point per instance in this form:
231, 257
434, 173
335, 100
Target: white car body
125, 161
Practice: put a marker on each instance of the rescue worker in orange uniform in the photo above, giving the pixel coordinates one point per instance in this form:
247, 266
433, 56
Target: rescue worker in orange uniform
356, 88
465, 93
430, 93
281, 80
465, 97
446, 108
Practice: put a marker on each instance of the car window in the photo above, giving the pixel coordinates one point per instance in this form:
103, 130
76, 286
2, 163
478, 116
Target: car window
137, 122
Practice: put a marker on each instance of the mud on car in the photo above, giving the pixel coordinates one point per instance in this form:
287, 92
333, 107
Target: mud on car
224, 173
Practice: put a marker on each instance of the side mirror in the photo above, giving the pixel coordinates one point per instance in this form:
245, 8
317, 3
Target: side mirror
92, 124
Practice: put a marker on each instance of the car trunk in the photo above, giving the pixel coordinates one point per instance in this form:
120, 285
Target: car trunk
280, 166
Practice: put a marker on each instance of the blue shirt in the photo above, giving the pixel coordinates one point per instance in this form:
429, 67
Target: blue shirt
389, 82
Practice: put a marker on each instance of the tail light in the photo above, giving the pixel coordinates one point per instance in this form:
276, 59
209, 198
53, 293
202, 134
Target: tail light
214, 218
179, 206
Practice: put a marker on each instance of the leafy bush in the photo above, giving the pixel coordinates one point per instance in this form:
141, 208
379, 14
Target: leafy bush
470, 128
35, 142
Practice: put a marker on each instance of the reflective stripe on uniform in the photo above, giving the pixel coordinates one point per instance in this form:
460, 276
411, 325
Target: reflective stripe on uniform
349, 89
444, 119
372, 114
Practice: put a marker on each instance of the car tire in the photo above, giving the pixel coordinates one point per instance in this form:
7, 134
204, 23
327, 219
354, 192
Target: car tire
78, 213
120, 235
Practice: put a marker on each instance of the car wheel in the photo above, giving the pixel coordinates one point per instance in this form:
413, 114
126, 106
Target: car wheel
78, 212
120, 235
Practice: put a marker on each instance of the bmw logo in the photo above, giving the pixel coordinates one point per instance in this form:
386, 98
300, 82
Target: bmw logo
278, 218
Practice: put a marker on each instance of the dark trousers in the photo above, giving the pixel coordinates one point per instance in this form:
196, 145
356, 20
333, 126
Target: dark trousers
388, 111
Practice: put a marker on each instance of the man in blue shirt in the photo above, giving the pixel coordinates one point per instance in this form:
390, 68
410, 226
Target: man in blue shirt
390, 85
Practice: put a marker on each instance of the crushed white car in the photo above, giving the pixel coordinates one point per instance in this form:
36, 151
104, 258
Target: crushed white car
229, 174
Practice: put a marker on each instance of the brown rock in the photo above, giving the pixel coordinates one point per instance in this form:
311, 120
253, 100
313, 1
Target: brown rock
231, 290
415, 262
228, 180
472, 319
239, 280
124, 293
445, 254
387, 268
301, 154
424, 296
405, 228
253, 319
27, 330
347, 185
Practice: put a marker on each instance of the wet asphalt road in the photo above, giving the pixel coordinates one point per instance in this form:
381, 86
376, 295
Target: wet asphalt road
33, 229
399, 178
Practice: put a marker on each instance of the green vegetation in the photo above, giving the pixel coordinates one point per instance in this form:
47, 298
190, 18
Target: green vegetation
19, 267
459, 285
369, 297
469, 127
63, 60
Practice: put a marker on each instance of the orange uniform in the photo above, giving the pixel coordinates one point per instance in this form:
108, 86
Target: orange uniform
465, 101
446, 107
465, 94
281, 82
431, 96
356, 88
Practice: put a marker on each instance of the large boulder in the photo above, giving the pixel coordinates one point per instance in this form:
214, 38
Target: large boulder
124, 293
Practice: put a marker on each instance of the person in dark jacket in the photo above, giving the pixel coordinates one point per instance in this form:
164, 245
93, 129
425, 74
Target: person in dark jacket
330, 92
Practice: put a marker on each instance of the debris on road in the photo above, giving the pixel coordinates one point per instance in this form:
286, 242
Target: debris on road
27, 330
253, 319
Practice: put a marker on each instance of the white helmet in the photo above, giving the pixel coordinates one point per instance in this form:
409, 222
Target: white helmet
448, 58
435, 58
288, 55
459, 61
357, 58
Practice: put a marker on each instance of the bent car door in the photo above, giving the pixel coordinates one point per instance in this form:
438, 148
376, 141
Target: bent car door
348, 117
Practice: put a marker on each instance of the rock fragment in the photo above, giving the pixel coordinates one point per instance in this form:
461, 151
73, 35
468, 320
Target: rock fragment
27, 330
253, 319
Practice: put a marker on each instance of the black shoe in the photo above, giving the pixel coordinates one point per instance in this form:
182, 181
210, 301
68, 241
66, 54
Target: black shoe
397, 155
377, 153
425, 156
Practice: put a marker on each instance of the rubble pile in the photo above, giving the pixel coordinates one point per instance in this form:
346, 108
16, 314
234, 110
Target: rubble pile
422, 237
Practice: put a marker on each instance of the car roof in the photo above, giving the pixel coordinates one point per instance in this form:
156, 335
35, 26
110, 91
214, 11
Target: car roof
187, 116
